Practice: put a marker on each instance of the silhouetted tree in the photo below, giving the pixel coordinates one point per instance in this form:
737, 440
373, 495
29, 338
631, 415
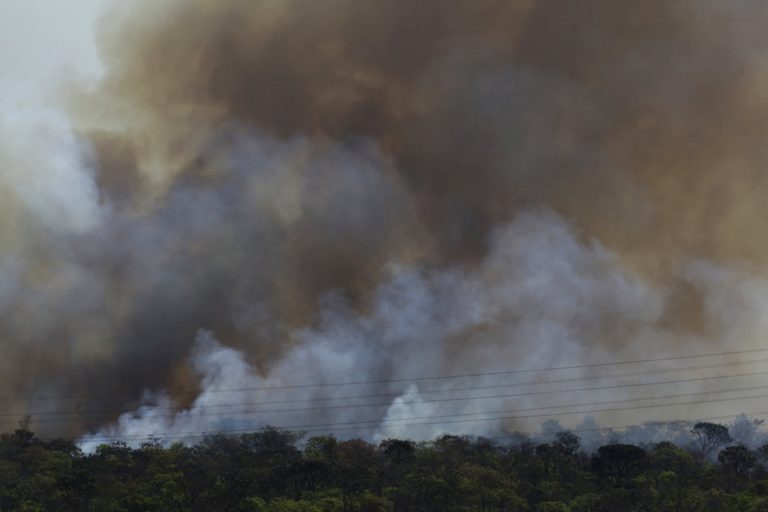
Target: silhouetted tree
269, 471
709, 436
619, 462
737, 459
567, 442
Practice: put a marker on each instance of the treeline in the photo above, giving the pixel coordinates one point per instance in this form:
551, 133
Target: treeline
279, 471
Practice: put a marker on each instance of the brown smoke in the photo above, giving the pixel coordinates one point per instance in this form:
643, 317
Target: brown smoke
655, 109
254, 155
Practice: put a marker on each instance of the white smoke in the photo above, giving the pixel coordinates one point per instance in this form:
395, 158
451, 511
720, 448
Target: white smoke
46, 46
222, 370
539, 299
543, 297
43, 166
45, 178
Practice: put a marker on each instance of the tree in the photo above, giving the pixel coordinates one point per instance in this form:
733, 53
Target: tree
553, 506
269, 471
355, 469
709, 436
619, 462
567, 442
738, 459
397, 451
673, 470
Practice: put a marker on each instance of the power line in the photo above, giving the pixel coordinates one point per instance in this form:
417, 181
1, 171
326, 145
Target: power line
641, 425
367, 424
604, 402
497, 386
198, 434
204, 434
355, 425
436, 400
408, 379
540, 408
513, 372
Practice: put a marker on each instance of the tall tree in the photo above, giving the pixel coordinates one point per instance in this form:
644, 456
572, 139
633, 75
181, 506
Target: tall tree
709, 436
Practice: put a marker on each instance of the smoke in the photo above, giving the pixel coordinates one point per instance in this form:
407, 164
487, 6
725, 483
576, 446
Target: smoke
540, 297
45, 172
371, 191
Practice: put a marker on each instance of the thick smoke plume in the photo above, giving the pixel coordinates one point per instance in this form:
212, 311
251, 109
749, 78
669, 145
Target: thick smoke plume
367, 190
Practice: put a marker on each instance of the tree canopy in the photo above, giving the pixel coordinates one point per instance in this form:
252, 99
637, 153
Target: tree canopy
275, 470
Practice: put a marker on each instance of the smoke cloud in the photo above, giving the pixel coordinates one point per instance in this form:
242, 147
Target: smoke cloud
233, 195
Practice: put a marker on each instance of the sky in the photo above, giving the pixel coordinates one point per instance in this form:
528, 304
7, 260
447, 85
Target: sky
45, 41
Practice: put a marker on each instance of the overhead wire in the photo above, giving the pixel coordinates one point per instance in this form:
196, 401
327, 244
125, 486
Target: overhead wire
447, 418
540, 408
404, 379
308, 429
394, 395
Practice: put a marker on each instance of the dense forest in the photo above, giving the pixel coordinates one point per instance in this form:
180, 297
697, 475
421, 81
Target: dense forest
281, 471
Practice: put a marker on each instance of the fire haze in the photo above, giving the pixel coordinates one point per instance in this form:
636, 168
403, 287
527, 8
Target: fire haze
201, 198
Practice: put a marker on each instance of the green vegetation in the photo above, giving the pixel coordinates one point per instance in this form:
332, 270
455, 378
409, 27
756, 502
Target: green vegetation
277, 471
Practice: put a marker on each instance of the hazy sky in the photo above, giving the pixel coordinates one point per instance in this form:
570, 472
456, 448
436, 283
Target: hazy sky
43, 39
